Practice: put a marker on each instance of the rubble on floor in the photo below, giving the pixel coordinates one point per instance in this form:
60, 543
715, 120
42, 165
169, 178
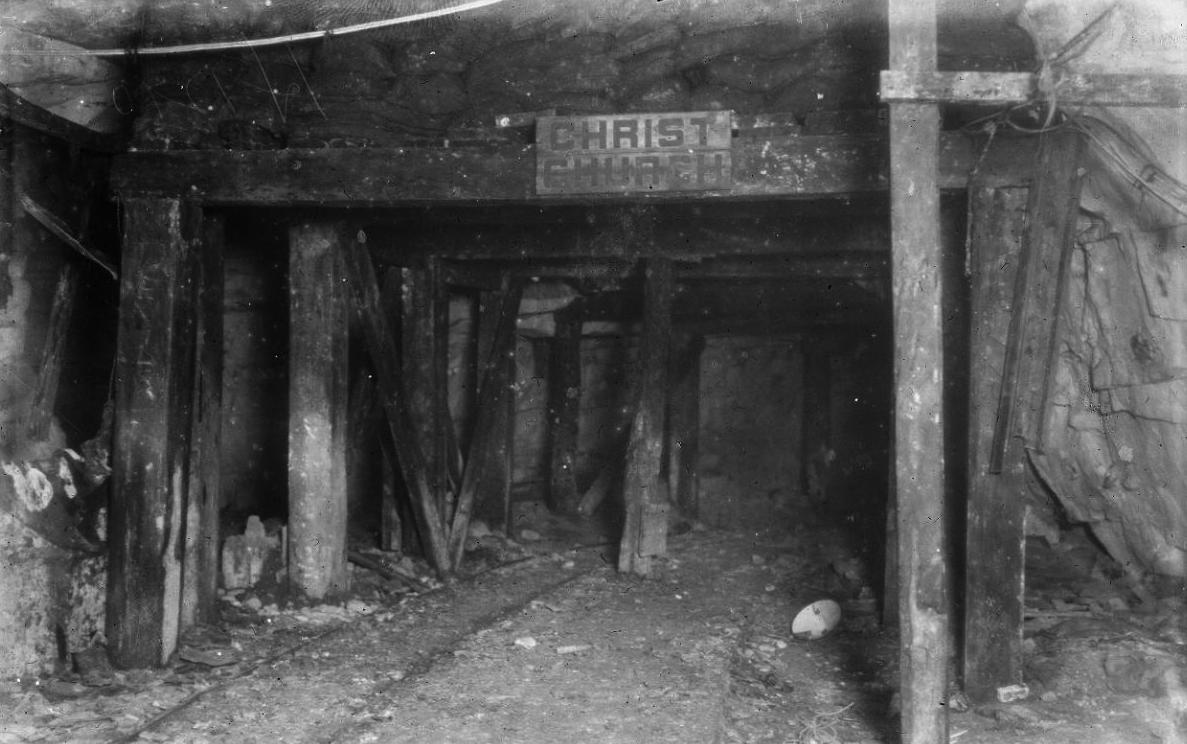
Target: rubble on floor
552, 644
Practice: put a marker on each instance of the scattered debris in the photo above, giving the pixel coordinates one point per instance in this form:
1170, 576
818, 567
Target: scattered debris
1012, 693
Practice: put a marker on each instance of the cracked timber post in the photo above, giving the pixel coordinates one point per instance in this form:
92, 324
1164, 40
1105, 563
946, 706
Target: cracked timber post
153, 398
919, 431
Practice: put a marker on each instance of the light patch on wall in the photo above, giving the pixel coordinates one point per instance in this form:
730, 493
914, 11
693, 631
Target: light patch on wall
32, 486
67, 478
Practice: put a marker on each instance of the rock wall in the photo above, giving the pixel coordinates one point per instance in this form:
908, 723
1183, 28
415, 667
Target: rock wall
54, 600
51, 594
750, 464
1115, 449
807, 59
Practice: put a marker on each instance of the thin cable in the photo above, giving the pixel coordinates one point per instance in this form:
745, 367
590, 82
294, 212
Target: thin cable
217, 46
1079, 43
1138, 166
308, 87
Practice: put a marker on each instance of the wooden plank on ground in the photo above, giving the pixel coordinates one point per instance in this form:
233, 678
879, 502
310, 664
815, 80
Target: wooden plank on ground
153, 395
380, 340
805, 166
564, 408
919, 431
318, 393
1024, 316
486, 444
645, 533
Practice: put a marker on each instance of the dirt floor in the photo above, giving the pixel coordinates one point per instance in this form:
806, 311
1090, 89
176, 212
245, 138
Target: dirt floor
544, 642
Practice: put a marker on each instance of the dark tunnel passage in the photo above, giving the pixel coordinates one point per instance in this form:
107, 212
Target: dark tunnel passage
780, 403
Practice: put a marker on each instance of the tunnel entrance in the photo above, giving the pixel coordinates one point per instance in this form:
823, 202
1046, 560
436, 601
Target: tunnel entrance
779, 406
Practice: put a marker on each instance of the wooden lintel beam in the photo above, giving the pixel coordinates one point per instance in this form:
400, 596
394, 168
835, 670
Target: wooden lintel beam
802, 166
1006, 88
933, 86
533, 246
868, 265
861, 266
488, 277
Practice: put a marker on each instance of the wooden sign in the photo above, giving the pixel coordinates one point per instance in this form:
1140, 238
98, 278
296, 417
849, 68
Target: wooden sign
627, 153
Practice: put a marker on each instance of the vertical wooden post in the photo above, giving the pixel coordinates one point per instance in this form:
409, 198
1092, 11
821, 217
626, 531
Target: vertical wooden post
645, 533
205, 495
564, 407
424, 372
919, 431
154, 379
1019, 263
994, 530
318, 392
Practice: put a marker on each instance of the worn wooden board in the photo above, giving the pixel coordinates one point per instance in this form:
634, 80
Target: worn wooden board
205, 458
1015, 336
153, 398
994, 568
801, 166
631, 153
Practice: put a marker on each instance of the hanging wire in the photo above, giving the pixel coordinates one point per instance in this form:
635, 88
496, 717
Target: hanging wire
1078, 44
1123, 150
308, 87
268, 83
218, 46
1133, 160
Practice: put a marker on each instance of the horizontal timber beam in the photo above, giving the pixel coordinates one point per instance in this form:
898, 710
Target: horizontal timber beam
1005, 88
552, 243
788, 166
486, 274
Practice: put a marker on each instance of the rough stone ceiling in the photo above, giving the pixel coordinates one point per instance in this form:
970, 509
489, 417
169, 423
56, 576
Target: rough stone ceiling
981, 29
